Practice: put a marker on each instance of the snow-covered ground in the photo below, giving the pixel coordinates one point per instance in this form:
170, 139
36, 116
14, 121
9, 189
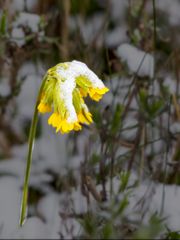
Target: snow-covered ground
49, 222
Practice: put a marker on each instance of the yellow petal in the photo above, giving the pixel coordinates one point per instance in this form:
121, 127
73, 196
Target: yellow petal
97, 93
64, 126
43, 108
54, 120
77, 126
83, 92
85, 117
88, 116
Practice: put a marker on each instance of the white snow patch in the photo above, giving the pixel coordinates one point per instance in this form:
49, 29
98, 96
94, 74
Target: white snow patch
116, 36
53, 205
146, 200
79, 201
130, 128
74, 69
170, 83
171, 204
27, 97
89, 28
18, 35
151, 198
30, 20
14, 167
118, 9
49, 208
70, 228
30, 4
137, 60
154, 148
4, 87
33, 228
171, 9
175, 127
9, 205
45, 155
19, 5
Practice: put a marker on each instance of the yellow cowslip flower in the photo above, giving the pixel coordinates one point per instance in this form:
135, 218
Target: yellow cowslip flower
65, 87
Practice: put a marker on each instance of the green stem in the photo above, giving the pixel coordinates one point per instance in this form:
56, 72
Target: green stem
29, 157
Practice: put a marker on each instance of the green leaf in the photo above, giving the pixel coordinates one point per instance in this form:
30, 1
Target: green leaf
143, 99
107, 231
155, 107
77, 100
173, 235
95, 159
124, 179
116, 121
151, 106
3, 24
97, 117
89, 225
150, 231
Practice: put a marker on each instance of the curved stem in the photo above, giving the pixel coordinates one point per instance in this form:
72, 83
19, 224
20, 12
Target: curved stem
29, 157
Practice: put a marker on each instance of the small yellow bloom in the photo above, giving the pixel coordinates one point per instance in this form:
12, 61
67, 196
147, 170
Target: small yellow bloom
65, 87
44, 108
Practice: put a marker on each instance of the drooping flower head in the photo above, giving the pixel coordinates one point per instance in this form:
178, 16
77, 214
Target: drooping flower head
66, 86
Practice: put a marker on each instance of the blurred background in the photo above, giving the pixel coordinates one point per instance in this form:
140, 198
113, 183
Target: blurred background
120, 176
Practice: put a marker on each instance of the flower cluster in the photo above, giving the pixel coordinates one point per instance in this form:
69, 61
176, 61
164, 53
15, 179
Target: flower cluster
66, 86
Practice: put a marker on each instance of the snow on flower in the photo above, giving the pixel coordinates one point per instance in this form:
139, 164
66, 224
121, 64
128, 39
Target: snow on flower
67, 84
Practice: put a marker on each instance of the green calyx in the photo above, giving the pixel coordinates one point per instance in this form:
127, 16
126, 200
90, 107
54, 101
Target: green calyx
77, 101
83, 82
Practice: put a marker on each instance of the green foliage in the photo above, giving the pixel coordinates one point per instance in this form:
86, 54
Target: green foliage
107, 231
116, 121
150, 106
88, 7
95, 158
172, 235
3, 24
124, 179
150, 231
97, 117
89, 224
